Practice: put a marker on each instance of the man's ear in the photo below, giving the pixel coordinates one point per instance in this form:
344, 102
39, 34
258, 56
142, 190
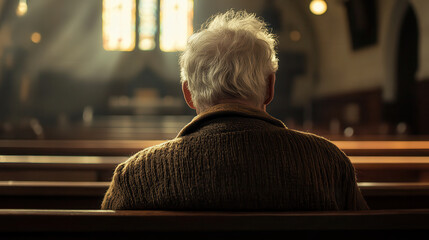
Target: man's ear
187, 95
270, 88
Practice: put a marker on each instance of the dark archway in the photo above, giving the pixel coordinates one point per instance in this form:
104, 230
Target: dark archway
406, 67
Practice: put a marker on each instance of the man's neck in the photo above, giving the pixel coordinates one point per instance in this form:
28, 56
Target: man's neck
246, 103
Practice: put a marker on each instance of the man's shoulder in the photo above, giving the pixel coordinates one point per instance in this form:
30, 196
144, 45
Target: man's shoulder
316, 142
152, 154
308, 136
159, 149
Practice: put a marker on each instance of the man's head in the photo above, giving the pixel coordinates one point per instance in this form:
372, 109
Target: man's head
232, 58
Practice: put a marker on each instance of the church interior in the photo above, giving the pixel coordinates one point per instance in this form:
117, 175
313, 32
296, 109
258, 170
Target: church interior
86, 84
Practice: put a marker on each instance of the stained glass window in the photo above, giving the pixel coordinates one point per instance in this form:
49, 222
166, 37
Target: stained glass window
119, 22
176, 18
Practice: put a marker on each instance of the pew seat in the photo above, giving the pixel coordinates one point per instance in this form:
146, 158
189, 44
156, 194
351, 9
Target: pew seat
106, 224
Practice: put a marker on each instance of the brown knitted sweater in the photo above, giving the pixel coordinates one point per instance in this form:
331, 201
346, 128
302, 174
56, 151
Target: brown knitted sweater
236, 158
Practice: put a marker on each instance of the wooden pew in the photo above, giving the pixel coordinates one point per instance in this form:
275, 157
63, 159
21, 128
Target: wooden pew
99, 224
395, 195
129, 147
52, 195
100, 168
88, 195
58, 168
75, 147
384, 148
80, 182
391, 168
393, 161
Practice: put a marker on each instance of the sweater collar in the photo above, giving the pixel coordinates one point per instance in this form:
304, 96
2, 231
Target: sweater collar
228, 109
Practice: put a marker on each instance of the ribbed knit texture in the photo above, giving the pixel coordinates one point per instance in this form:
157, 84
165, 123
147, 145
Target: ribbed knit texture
237, 158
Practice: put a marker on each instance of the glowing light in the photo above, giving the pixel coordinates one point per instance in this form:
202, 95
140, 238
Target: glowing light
36, 37
119, 22
318, 7
148, 26
295, 35
22, 8
349, 132
175, 24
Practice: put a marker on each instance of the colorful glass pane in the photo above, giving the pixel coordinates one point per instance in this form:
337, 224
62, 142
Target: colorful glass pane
148, 12
176, 17
119, 21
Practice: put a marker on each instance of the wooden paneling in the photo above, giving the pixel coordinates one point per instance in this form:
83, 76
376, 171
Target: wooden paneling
361, 110
423, 106
375, 116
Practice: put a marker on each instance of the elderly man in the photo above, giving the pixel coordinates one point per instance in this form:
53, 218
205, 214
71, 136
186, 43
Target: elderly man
233, 155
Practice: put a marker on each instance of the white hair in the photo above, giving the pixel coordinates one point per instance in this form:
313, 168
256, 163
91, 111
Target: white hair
230, 57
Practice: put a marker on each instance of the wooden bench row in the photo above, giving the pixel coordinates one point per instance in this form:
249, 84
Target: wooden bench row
100, 168
98, 188
99, 224
88, 195
129, 147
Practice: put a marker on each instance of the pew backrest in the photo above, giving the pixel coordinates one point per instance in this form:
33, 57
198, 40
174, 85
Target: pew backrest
105, 223
130, 147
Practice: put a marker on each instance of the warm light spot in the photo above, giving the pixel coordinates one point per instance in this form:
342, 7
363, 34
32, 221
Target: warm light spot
24, 89
401, 128
147, 43
87, 115
295, 35
22, 8
148, 26
349, 132
36, 37
119, 23
318, 7
175, 24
